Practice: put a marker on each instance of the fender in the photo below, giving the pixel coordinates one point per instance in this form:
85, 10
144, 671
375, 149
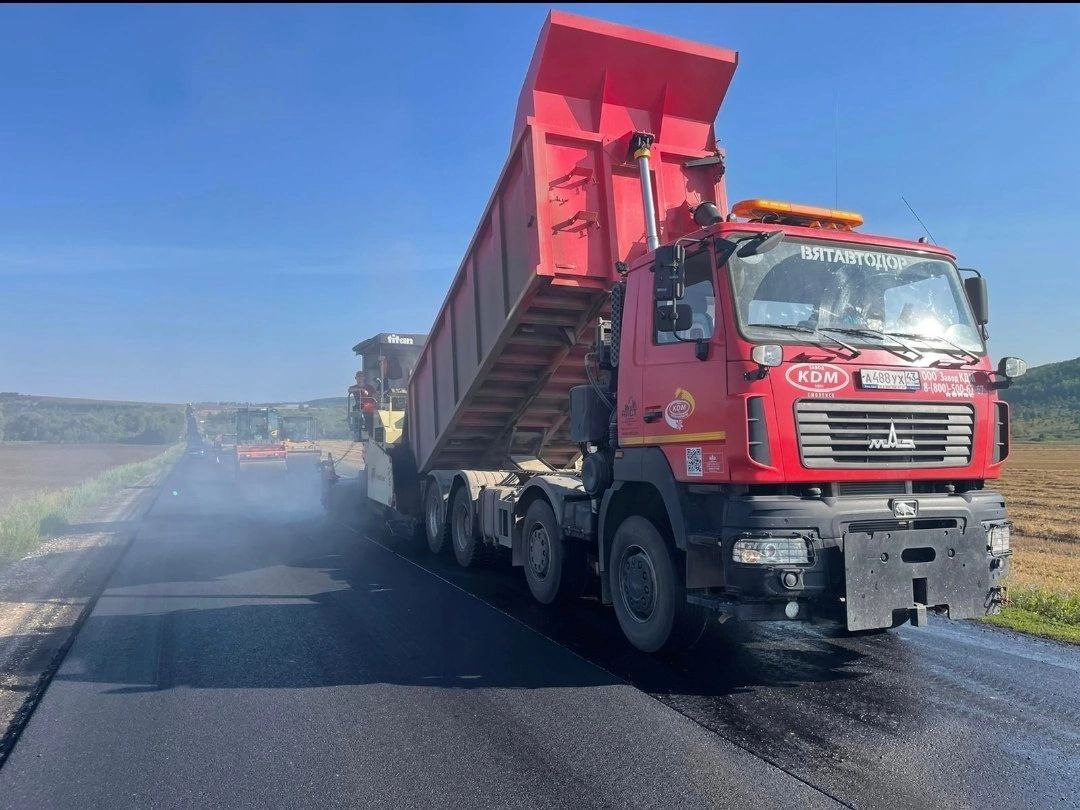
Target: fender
650, 466
443, 479
473, 480
556, 488
641, 465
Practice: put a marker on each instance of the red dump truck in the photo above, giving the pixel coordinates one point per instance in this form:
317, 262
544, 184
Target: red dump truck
749, 411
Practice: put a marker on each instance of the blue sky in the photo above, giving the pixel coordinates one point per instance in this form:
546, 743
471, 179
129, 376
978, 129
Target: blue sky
213, 203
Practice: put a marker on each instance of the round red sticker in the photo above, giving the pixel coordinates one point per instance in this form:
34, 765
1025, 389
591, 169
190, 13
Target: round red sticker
818, 377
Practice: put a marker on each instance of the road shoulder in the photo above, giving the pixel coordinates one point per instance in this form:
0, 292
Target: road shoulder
45, 596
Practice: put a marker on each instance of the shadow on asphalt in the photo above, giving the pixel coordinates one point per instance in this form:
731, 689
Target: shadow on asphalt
199, 575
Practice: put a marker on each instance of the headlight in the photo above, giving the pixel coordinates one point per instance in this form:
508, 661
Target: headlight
1000, 539
771, 551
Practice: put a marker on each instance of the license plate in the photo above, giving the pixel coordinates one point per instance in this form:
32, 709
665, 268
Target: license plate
886, 380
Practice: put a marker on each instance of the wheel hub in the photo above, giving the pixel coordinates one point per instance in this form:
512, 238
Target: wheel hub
539, 553
638, 584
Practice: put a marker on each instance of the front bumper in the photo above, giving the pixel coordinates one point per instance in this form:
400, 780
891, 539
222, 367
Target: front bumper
867, 569
942, 569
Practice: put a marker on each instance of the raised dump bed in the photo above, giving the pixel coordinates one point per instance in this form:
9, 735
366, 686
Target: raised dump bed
511, 337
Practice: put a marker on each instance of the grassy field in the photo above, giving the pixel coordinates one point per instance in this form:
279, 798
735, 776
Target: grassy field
1042, 485
29, 519
30, 467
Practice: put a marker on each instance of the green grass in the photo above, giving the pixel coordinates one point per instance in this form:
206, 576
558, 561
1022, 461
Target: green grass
1042, 613
29, 521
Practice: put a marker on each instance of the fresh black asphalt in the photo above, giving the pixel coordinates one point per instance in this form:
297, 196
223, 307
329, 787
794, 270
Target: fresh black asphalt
251, 651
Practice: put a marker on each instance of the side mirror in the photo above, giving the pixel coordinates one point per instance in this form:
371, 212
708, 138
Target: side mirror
769, 355
1012, 367
760, 244
669, 277
975, 287
674, 317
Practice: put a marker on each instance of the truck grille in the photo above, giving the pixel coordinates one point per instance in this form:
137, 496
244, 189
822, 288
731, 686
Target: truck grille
884, 434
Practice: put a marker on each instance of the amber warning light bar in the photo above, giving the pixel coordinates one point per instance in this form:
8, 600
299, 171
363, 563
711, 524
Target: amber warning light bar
808, 216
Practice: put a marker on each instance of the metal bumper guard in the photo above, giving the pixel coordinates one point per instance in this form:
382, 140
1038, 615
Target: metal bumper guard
887, 571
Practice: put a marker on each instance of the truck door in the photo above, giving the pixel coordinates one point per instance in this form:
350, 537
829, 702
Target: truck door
683, 396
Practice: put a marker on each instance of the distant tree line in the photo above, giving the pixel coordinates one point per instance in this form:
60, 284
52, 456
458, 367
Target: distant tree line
1046, 403
332, 424
1035, 424
35, 419
1056, 385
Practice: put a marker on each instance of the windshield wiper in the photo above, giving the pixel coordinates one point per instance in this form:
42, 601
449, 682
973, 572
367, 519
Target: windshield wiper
873, 333
808, 331
958, 350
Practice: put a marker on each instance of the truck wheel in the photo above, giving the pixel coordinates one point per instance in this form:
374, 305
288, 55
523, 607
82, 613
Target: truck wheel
647, 588
434, 520
552, 568
467, 545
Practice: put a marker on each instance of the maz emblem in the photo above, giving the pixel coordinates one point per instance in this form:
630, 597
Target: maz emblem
893, 442
905, 509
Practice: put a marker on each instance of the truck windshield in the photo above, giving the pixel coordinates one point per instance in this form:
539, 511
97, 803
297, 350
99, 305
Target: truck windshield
815, 285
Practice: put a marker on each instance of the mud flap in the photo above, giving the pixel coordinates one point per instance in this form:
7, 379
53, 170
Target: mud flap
903, 570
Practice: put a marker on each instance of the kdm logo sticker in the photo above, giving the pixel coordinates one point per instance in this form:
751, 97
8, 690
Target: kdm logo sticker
817, 377
679, 409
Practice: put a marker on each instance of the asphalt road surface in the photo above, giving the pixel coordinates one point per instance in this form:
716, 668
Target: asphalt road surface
249, 651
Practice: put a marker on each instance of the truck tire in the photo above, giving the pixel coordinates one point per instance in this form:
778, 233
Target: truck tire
648, 590
553, 567
468, 547
435, 527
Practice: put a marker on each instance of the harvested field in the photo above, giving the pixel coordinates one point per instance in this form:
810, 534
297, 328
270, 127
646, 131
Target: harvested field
1042, 491
31, 518
29, 467
1041, 486
1050, 564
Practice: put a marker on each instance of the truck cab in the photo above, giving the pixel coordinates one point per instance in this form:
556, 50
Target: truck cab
816, 416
